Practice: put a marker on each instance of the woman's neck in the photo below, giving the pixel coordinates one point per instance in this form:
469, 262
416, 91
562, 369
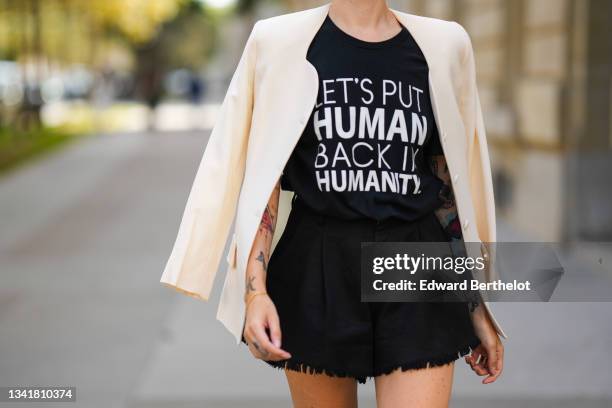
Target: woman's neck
369, 20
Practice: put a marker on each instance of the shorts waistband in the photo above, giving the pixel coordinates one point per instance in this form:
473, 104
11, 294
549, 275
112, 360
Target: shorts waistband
299, 208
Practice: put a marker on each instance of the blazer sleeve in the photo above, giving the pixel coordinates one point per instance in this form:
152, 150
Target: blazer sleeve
479, 166
481, 184
212, 201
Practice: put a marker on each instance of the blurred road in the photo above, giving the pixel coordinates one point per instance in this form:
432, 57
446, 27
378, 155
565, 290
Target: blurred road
85, 234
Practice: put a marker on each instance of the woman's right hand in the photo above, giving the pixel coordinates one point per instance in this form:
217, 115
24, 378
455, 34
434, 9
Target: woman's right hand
261, 319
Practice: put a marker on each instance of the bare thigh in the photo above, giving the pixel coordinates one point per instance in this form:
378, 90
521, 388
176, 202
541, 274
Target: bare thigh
321, 391
428, 387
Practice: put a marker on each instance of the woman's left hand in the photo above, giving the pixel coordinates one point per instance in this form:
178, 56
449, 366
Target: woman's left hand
488, 358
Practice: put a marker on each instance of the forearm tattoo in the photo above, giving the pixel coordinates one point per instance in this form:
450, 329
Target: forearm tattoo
474, 303
261, 246
262, 258
447, 213
267, 220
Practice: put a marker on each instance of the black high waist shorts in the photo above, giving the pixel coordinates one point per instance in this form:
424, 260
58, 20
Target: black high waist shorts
313, 278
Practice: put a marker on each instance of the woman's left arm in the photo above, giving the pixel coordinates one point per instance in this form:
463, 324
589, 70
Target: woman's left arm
447, 213
487, 358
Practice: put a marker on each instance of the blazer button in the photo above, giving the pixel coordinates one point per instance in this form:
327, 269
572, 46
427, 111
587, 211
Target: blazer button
455, 178
466, 223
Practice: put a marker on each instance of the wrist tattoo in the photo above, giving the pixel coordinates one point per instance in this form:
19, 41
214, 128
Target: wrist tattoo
250, 287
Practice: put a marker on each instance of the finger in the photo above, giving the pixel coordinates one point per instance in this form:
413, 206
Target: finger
275, 331
500, 360
496, 368
480, 370
478, 362
269, 350
475, 353
490, 379
473, 356
491, 365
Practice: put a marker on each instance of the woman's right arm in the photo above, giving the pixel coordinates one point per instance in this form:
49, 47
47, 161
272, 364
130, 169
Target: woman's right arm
262, 326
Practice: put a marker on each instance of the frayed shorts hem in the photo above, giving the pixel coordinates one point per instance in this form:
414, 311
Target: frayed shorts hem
294, 364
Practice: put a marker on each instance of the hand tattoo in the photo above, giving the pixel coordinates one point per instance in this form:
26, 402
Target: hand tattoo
261, 351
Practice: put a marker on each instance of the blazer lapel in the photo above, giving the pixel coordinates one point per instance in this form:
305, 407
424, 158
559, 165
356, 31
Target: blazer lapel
300, 81
291, 96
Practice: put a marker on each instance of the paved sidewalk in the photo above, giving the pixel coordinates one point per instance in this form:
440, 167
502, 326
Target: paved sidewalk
85, 235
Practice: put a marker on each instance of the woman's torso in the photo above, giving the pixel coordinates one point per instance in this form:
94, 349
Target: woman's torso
364, 150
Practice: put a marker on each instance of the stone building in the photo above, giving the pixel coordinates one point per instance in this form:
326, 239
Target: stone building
544, 76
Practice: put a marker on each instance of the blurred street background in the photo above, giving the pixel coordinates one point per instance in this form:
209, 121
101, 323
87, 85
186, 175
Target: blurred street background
105, 109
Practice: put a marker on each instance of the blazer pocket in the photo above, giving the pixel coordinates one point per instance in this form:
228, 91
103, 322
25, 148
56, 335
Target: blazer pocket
231, 253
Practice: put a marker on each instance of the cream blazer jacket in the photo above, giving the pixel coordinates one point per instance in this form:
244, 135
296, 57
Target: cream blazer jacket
268, 102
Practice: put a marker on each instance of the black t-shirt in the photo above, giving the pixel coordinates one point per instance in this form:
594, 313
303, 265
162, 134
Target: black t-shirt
363, 151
